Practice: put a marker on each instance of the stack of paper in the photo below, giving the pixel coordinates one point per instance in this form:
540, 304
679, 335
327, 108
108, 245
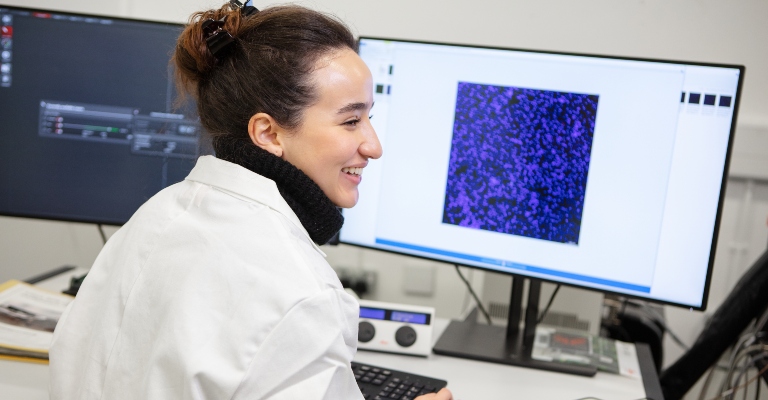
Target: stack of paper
28, 316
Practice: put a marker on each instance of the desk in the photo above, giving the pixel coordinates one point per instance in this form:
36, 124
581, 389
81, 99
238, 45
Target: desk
467, 379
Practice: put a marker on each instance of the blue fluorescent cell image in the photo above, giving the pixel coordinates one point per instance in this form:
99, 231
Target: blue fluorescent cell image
519, 161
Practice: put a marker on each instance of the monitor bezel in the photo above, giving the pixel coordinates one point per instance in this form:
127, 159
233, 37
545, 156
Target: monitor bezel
723, 183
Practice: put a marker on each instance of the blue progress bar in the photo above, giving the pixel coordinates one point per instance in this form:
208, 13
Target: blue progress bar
509, 264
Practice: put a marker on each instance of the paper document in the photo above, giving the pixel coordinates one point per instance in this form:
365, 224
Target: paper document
28, 315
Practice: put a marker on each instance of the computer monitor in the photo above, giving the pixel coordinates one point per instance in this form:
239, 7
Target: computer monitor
604, 173
90, 128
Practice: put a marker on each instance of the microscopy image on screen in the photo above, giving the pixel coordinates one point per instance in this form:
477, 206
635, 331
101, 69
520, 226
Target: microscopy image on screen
519, 161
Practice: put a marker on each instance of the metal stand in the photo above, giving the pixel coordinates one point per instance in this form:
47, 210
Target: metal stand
469, 339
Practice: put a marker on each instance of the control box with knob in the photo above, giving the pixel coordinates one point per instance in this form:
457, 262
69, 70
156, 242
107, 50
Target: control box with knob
395, 328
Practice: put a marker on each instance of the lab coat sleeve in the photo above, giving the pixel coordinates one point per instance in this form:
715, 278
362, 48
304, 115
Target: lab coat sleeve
308, 354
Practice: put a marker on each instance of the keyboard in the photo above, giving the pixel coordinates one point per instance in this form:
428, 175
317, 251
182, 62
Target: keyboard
377, 383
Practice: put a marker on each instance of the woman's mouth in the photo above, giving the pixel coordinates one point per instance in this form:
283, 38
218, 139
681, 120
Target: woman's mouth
357, 171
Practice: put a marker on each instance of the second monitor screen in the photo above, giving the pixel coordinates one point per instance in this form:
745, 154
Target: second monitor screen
90, 128
583, 170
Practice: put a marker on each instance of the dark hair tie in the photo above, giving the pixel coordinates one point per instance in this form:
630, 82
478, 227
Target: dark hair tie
218, 39
246, 9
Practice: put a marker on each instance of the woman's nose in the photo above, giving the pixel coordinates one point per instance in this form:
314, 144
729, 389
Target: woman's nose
371, 147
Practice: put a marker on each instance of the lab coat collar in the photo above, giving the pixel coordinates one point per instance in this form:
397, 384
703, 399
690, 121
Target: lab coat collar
240, 181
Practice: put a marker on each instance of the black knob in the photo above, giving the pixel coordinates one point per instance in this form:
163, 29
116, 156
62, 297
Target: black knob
405, 336
365, 331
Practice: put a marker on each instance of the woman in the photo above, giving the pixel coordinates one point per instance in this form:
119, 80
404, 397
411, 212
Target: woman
216, 288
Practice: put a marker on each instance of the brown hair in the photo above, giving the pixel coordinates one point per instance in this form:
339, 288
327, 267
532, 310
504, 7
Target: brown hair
267, 70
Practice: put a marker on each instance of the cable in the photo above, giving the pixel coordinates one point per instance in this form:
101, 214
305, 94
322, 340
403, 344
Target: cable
736, 355
467, 298
744, 370
549, 304
658, 318
733, 390
472, 291
744, 342
746, 375
101, 231
746, 349
707, 382
726, 389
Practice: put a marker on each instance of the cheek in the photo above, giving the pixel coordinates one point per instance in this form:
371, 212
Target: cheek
324, 155
337, 154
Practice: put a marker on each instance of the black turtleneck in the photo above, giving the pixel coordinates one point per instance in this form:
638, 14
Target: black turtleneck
317, 213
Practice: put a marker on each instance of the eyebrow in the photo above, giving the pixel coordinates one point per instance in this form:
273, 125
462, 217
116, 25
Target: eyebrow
353, 107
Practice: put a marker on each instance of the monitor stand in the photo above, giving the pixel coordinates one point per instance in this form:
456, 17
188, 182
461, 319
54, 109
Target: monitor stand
513, 346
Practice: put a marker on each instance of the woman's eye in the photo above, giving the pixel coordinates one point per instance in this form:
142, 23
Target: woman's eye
352, 122
370, 116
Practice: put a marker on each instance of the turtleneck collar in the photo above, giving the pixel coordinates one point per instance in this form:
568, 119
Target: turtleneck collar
319, 216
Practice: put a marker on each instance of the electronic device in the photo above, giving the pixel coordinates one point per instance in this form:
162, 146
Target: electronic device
604, 173
89, 121
395, 328
378, 383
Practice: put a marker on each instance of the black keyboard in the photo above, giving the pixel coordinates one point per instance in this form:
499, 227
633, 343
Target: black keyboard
377, 383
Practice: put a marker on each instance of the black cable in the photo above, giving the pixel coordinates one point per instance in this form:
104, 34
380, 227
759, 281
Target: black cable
658, 318
549, 304
101, 231
623, 306
474, 295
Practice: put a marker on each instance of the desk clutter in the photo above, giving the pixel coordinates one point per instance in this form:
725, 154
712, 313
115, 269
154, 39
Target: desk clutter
28, 316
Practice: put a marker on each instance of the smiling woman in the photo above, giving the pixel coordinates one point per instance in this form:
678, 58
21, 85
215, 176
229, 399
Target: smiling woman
216, 288
312, 115
335, 139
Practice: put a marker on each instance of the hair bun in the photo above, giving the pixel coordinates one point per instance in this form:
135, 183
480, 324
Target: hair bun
193, 58
268, 69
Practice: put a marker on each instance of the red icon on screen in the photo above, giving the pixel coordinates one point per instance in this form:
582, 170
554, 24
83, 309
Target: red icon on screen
6, 31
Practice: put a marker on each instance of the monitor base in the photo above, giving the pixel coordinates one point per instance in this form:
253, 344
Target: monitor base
504, 345
467, 339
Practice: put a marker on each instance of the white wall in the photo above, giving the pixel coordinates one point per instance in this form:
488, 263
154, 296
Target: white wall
695, 30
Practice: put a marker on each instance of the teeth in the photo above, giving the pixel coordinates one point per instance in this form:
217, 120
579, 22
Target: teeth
352, 170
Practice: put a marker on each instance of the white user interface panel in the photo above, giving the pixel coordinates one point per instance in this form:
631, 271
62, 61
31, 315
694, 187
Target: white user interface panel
598, 172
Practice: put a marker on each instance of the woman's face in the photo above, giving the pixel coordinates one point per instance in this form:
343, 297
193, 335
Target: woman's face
336, 139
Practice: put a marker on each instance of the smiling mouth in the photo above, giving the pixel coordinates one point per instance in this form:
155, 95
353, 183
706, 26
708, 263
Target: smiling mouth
352, 171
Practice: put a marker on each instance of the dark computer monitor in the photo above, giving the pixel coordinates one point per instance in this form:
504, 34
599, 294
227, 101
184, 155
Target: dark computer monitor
89, 128
603, 173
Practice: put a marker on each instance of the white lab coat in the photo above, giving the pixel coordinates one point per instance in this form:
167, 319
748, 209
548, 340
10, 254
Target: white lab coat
213, 290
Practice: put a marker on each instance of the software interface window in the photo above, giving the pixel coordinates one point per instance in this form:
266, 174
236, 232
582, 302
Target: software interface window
88, 107
584, 170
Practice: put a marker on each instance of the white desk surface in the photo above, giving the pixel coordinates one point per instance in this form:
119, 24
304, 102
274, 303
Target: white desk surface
467, 379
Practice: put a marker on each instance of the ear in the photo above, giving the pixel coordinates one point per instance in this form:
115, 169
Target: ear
263, 131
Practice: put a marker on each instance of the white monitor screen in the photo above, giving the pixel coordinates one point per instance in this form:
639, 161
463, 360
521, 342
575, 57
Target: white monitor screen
598, 172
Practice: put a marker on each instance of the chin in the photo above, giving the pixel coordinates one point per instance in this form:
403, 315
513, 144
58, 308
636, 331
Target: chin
345, 202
